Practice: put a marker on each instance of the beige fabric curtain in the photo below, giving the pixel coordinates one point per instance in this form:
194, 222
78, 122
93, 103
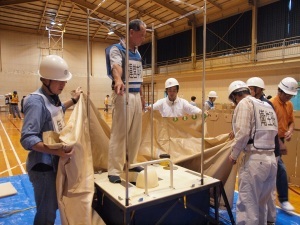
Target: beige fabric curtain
179, 137
75, 176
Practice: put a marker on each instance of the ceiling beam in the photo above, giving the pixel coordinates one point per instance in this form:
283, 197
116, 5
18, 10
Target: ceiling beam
175, 9
146, 12
42, 18
215, 3
69, 16
14, 2
58, 11
101, 23
170, 7
133, 7
99, 10
95, 33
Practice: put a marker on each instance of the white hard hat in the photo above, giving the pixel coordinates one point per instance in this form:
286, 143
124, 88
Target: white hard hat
237, 86
212, 94
255, 82
289, 86
53, 67
171, 82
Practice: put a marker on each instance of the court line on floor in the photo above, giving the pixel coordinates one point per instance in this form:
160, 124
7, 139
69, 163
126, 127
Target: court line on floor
10, 169
5, 158
13, 149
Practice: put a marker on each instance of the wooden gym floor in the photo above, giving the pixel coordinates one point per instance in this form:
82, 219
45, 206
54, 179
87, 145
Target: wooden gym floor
13, 156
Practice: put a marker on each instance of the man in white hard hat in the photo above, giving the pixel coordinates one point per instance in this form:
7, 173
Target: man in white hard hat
43, 112
172, 105
209, 104
255, 126
257, 87
115, 59
287, 88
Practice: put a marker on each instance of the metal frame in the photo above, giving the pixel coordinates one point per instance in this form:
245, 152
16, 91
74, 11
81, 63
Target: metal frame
197, 10
89, 17
127, 166
55, 40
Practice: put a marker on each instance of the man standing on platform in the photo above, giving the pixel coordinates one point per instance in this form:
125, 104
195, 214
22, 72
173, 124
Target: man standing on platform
116, 64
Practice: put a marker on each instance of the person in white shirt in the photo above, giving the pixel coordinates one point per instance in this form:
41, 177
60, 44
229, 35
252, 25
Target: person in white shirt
172, 105
209, 104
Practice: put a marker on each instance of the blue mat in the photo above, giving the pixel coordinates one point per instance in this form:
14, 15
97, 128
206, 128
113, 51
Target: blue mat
282, 217
20, 208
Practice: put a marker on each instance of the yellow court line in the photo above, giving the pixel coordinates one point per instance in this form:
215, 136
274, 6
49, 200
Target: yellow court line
14, 150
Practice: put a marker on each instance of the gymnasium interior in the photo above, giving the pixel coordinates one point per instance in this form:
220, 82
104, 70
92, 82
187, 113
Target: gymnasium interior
205, 45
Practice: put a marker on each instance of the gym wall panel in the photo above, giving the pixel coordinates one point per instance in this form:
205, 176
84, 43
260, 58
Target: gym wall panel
21, 54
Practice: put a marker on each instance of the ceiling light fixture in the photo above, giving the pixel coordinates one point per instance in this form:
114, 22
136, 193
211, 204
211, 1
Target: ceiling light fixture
110, 32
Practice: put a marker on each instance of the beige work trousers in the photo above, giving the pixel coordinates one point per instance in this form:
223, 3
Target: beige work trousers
271, 205
117, 142
257, 178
